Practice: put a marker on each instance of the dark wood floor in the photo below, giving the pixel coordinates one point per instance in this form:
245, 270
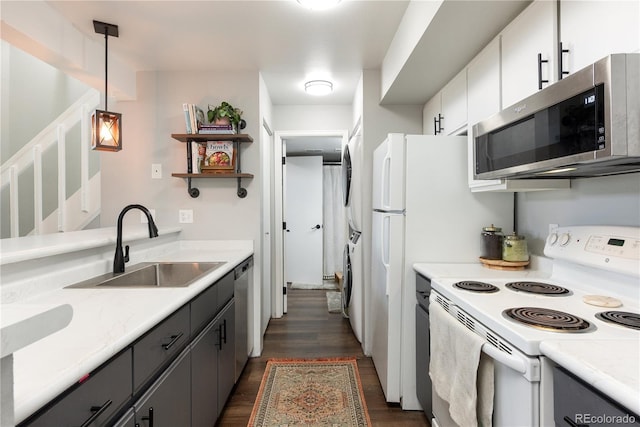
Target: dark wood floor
309, 330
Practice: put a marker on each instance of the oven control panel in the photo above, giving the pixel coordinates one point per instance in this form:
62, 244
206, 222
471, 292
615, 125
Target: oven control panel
609, 247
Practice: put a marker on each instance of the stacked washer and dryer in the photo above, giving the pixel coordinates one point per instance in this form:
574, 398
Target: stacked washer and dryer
353, 286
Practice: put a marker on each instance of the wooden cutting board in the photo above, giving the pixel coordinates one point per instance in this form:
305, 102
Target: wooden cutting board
498, 264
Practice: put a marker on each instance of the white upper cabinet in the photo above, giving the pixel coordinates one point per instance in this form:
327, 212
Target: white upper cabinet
591, 30
446, 112
527, 40
431, 114
483, 77
454, 104
483, 97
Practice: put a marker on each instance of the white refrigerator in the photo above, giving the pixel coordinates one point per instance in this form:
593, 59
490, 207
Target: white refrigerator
423, 211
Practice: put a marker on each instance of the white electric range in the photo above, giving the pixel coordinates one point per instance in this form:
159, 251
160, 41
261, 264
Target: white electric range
591, 274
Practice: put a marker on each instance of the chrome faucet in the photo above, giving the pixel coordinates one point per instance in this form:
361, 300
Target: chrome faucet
119, 259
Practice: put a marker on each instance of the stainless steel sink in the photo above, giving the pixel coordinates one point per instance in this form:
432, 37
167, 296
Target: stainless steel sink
152, 275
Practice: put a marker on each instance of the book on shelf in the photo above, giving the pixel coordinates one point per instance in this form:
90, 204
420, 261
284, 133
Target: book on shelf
216, 132
187, 117
220, 156
198, 151
210, 128
193, 116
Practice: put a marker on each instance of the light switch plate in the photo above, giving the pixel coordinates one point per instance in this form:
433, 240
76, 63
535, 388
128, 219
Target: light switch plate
156, 170
185, 216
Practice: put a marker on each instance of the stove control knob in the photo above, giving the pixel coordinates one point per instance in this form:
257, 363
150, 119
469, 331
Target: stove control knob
565, 239
552, 239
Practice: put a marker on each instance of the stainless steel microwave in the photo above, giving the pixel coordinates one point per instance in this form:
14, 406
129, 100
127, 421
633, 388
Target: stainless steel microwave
587, 124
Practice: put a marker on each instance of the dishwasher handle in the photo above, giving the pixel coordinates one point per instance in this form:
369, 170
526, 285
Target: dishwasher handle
240, 270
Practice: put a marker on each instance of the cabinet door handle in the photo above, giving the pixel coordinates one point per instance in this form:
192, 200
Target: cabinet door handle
149, 417
540, 62
561, 72
174, 339
219, 343
440, 119
224, 331
435, 126
574, 424
97, 411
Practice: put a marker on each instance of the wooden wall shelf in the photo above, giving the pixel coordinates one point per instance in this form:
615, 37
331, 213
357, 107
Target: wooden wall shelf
204, 137
237, 139
212, 175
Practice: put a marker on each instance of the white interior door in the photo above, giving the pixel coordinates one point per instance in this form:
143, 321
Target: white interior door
303, 207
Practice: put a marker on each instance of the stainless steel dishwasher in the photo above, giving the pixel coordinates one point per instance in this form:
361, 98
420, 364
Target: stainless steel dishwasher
243, 277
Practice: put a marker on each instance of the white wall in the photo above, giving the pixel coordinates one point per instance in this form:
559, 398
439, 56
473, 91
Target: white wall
311, 117
612, 200
148, 123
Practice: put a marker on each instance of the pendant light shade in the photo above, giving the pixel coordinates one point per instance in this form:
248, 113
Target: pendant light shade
106, 126
105, 131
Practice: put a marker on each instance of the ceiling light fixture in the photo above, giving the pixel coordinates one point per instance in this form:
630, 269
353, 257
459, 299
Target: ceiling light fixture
319, 4
106, 126
318, 87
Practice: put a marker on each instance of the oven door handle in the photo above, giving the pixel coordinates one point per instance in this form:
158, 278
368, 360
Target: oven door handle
529, 368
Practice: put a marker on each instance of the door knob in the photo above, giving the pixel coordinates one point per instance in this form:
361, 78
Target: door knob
317, 227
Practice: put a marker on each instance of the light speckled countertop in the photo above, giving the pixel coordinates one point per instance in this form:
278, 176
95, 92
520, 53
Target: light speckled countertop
611, 366
104, 320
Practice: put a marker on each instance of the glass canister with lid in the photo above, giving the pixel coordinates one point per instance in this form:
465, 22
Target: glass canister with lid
514, 248
492, 242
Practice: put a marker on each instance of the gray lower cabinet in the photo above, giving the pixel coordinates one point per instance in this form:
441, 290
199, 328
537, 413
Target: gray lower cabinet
577, 404
173, 376
226, 354
167, 403
94, 400
204, 376
243, 275
212, 368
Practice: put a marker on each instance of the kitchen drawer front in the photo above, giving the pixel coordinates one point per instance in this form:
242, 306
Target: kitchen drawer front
159, 346
578, 404
204, 308
225, 290
105, 391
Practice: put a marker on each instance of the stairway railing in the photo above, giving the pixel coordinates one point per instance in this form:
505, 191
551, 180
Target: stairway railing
68, 218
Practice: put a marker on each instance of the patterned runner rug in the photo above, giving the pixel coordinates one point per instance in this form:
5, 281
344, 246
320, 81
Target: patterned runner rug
310, 393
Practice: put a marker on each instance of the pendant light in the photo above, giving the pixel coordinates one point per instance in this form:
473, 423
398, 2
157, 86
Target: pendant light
106, 126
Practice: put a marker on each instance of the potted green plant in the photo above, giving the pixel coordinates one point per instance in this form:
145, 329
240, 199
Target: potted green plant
226, 113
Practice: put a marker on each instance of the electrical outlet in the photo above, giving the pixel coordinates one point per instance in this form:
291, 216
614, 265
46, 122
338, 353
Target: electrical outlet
143, 217
552, 228
185, 216
156, 170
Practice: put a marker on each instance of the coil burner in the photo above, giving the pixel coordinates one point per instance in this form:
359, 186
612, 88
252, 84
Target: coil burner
538, 288
622, 318
470, 285
546, 319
